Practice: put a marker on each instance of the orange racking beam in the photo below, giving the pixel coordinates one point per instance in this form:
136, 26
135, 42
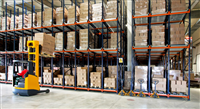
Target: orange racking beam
168, 47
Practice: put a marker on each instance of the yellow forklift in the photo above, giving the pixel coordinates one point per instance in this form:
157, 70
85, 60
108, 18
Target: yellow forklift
29, 85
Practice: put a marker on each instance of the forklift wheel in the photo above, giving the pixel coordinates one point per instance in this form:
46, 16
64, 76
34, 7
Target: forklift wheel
47, 91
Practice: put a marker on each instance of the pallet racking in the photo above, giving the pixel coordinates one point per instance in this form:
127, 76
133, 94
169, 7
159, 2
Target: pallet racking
164, 52
102, 29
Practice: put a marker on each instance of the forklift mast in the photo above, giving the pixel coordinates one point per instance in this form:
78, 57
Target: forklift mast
33, 54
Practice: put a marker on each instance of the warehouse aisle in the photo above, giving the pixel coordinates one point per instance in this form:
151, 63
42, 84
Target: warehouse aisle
59, 98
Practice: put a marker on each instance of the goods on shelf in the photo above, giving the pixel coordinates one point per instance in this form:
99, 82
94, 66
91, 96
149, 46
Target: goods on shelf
71, 40
127, 81
178, 85
177, 34
68, 71
141, 36
83, 38
95, 79
25, 25
157, 72
47, 76
158, 6
107, 44
178, 5
2, 76
186, 76
48, 17
99, 69
175, 73
34, 20
69, 80
39, 17
47, 42
84, 12
141, 73
59, 15
187, 63
20, 43
12, 22
3, 23
161, 86
141, 7
2, 69
60, 41
110, 83
82, 74
71, 13
10, 71
58, 80
97, 12
112, 71
158, 35
111, 10
114, 40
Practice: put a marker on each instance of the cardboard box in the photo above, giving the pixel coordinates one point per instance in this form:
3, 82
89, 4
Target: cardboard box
141, 33
12, 22
110, 83
58, 81
4, 23
95, 79
158, 35
82, 74
177, 34
60, 41
112, 71
99, 69
114, 40
59, 15
71, 13
69, 80
30, 22
48, 17
141, 73
107, 44
84, 12
97, 11
71, 40
158, 6
47, 42
111, 10
83, 39
25, 25
178, 5
141, 7
39, 18
157, 72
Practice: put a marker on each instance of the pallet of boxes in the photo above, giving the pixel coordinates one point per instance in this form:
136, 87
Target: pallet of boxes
127, 81
158, 75
177, 84
95, 77
83, 38
110, 81
141, 73
82, 76
2, 73
69, 78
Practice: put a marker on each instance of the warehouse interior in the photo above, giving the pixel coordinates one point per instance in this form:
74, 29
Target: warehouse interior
100, 54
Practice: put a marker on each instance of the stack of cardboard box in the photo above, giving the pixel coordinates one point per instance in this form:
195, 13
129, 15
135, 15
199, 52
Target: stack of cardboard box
25, 25
127, 81
48, 17
71, 40
20, 44
69, 80
158, 74
59, 15
158, 35
82, 74
60, 41
114, 40
177, 34
2, 73
95, 79
174, 74
178, 85
12, 22
47, 77
97, 11
58, 80
30, 22
110, 83
39, 19
111, 9
84, 12
83, 38
141, 7
107, 44
71, 13
10, 72
47, 42
68, 71
99, 69
112, 71
158, 6
141, 73
3, 23
141, 33
178, 5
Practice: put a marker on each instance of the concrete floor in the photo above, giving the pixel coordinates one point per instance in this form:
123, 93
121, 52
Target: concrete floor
59, 98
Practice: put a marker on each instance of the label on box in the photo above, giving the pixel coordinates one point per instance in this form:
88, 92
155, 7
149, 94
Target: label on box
85, 82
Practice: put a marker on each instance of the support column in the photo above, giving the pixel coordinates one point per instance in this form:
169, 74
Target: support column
129, 34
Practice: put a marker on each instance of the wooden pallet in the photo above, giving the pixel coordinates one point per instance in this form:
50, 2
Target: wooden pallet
46, 55
69, 84
46, 83
95, 86
81, 85
57, 83
113, 88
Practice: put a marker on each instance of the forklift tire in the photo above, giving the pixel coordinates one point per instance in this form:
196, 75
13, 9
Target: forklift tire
47, 91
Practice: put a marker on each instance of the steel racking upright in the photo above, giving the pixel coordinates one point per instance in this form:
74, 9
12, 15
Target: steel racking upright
164, 52
102, 29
